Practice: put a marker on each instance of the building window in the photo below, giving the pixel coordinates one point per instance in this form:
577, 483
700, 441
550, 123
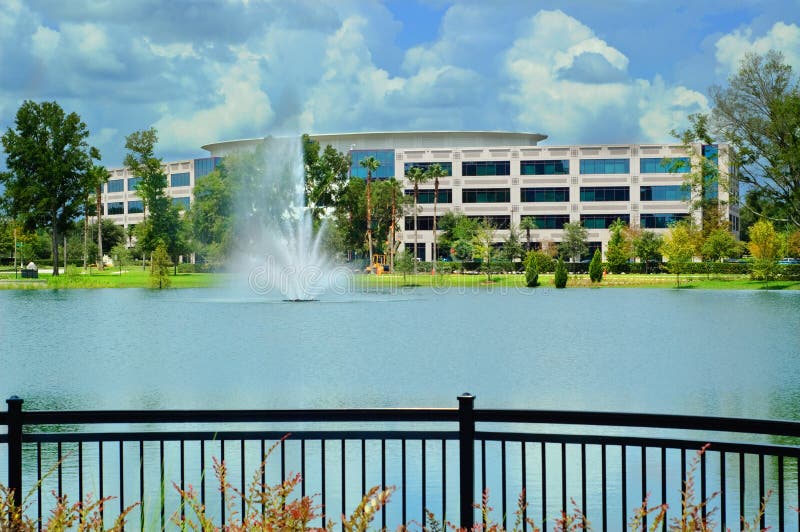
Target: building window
426, 196
602, 221
133, 182
424, 223
115, 185
486, 195
657, 165
549, 221
497, 222
605, 166
135, 207
478, 168
179, 180
182, 201
591, 248
420, 249
116, 207
205, 166
447, 167
550, 167
663, 193
605, 194
384, 171
544, 195
660, 221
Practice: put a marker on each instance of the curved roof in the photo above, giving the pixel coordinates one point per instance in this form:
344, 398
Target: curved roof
344, 142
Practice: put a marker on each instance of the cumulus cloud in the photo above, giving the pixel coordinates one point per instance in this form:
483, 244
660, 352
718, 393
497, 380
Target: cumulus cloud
572, 85
731, 48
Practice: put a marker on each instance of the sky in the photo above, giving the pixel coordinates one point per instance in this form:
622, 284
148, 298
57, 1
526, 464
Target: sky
201, 71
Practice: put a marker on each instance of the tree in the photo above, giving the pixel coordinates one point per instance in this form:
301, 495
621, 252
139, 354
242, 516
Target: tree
512, 248
48, 160
527, 223
765, 247
325, 177
531, 270
560, 277
758, 114
483, 244
159, 267
435, 171
121, 256
574, 244
718, 244
416, 176
458, 232
647, 246
404, 263
619, 249
793, 244
596, 267
679, 247
210, 216
371, 164
98, 176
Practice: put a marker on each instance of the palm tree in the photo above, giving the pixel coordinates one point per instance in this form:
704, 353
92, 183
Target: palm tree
416, 175
371, 164
527, 223
435, 171
392, 227
99, 176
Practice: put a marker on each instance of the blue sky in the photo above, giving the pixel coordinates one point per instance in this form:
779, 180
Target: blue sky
201, 71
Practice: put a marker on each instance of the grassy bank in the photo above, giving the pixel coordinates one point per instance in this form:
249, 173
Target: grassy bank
109, 278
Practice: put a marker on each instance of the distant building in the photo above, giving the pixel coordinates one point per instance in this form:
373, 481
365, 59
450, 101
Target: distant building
499, 176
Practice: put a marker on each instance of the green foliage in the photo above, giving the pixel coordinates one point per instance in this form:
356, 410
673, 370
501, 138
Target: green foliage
765, 248
512, 248
531, 271
560, 278
159, 268
679, 247
325, 177
596, 267
619, 248
719, 244
646, 246
404, 263
49, 162
575, 242
120, 255
527, 224
458, 232
544, 262
483, 246
210, 216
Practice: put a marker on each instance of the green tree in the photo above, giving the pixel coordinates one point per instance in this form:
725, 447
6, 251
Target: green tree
98, 176
435, 171
531, 270
483, 245
619, 249
371, 164
758, 114
416, 176
646, 245
596, 267
679, 247
159, 267
765, 248
512, 248
210, 216
48, 160
718, 245
458, 231
404, 263
560, 277
325, 177
528, 223
121, 256
575, 242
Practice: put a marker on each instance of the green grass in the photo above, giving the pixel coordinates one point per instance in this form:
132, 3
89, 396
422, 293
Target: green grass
109, 278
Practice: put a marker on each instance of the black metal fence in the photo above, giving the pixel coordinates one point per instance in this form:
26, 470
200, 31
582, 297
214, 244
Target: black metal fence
439, 459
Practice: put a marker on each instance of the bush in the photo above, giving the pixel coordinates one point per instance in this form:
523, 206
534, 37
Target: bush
531, 271
186, 267
560, 279
544, 262
596, 267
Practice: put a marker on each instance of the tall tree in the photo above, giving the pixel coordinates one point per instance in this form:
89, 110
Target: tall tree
765, 247
371, 164
483, 244
435, 171
528, 224
645, 244
48, 162
98, 176
619, 249
758, 114
416, 176
574, 243
679, 247
325, 177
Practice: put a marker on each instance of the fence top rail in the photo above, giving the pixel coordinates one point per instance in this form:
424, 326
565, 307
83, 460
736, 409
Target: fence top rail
620, 419
42, 417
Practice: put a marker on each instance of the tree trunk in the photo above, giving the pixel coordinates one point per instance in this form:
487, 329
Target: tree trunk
416, 196
85, 235
369, 217
98, 195
392, 229
528, 237
435, 204
55, 243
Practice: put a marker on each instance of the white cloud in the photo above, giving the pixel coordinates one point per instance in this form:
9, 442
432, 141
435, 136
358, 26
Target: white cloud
45, 43
573, 111
782, 37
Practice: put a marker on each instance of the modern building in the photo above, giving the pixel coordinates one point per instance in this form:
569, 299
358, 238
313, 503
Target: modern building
502, 177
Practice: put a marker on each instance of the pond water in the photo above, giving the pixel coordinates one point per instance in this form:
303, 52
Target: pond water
729, 353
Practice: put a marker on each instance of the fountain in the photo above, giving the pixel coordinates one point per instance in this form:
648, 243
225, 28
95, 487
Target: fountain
277, 241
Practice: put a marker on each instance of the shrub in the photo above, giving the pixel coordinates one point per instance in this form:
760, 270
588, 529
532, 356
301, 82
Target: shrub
159, 268
560, 279
531, 271
186, 267
596, 267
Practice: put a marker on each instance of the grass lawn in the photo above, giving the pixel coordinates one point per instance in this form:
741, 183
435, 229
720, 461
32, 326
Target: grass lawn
109, 278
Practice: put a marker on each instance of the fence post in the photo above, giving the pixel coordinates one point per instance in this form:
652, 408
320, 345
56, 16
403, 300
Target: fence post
15, 447
466, 457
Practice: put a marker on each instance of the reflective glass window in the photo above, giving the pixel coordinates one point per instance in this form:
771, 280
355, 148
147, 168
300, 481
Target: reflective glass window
132, 183
660, 220
543, 195
478, 168
182, 201
550, 221
663, 193
447, 167
546, 167
605, 166
498, 221
486, 195
180, 180
426, 196
135, 207
116, 185
659, 165
384, 171
605, 193
116, 207
602, 221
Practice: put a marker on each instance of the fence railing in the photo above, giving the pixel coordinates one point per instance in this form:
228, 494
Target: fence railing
441, 459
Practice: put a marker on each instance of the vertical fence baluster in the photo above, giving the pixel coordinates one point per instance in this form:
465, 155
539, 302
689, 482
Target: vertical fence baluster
544, 485
624, 466
503, 478
80, 472
242, 469
100, 479
39, 484
664, 487
424, 479
383, 477
403, 477
141, 484
344, 482
780, 493
203, 472
703, 510
761, 490
363, 466
444, 479
722, 489
263, 466
183, 477
222, 495
302, 466
121, 478
524, 486
483, 479
604, 488
564, 477
60, 470
322, 480
741, 485
161, 481
584, 507
644, 484
15, 447
466, 457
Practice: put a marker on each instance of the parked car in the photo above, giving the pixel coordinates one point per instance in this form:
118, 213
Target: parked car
789, 261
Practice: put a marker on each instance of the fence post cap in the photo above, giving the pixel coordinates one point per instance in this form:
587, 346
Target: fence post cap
14, 399
466, 396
